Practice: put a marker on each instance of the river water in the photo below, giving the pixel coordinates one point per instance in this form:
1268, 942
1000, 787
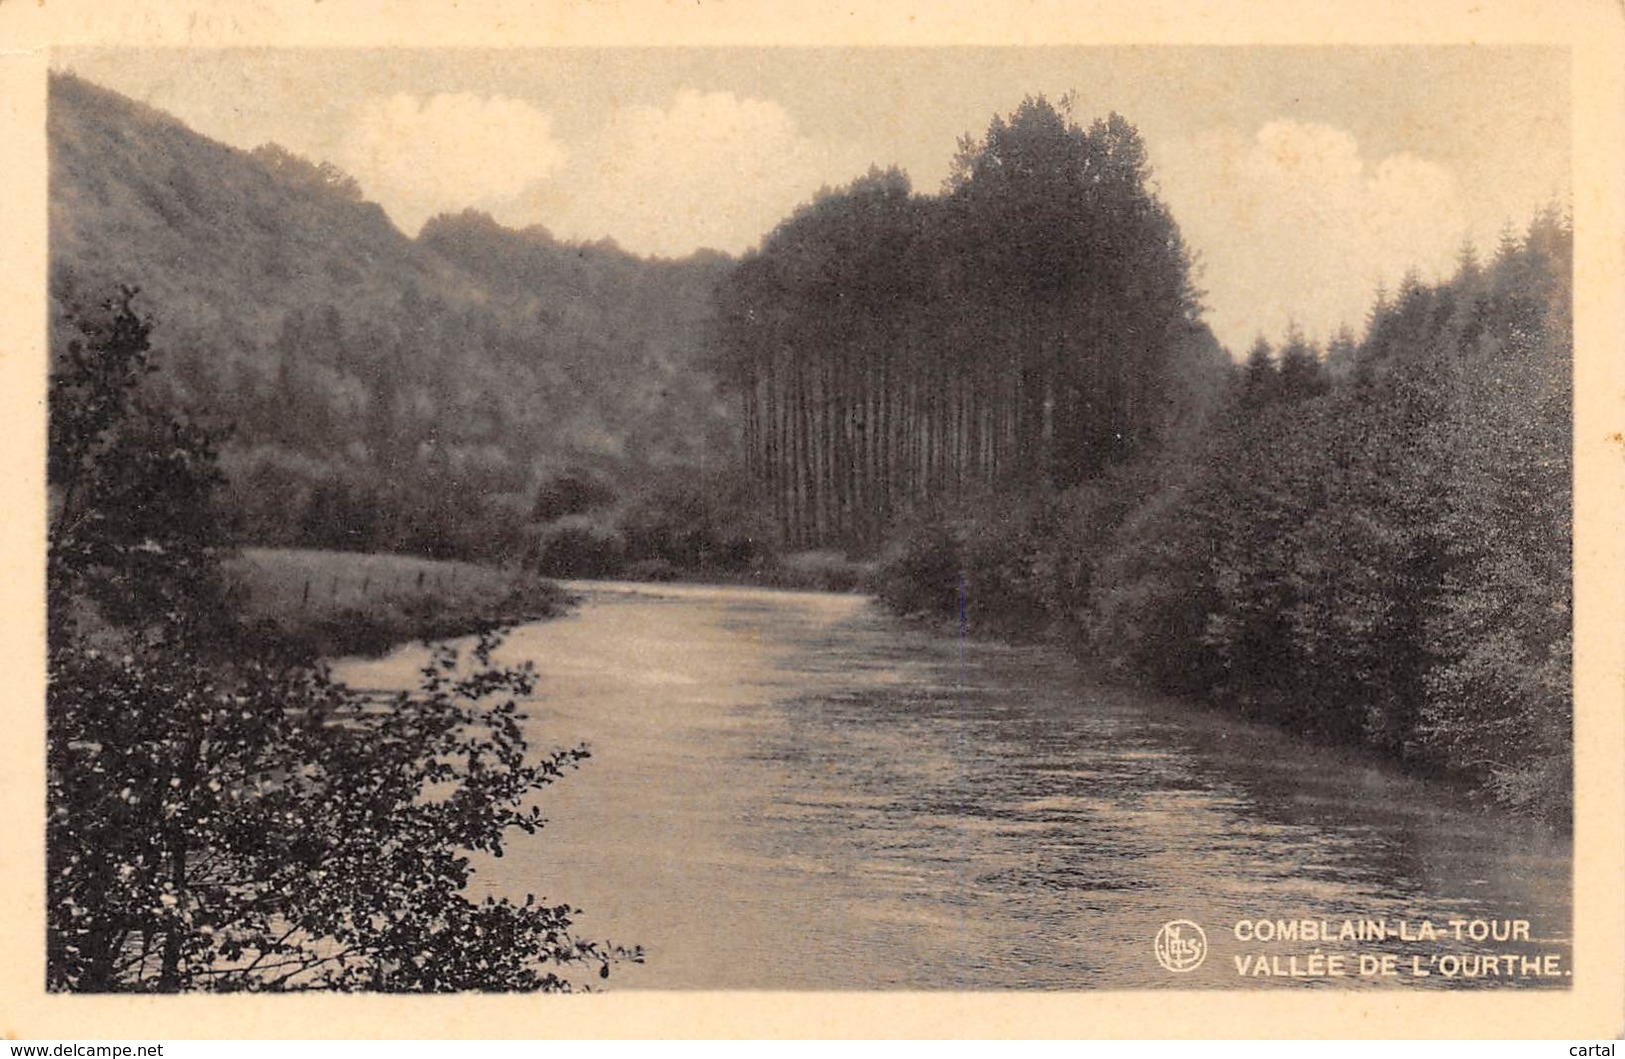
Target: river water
801, 791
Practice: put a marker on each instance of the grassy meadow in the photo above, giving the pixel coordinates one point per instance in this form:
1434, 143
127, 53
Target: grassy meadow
328, 603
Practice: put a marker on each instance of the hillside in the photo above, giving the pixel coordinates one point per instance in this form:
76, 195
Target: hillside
380, 391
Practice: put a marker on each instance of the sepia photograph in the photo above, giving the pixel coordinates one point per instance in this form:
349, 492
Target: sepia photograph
1048, 518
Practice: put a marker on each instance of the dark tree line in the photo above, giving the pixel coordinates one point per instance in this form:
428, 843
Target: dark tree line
1370, 544
1385, 557
891, 351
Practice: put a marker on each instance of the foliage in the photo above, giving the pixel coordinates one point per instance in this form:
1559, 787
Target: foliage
919, 572
222, 821
1500, 694
1381, 554
1369, 547
334, 604
577, 546
821, 571
894, 352
385, 393
1151, 593
1075, 532
133, 519
1005, 389
1001, 570
691, 523
574, 492
272, 830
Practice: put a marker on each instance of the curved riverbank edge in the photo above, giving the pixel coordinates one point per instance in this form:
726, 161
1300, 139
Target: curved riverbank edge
315, 604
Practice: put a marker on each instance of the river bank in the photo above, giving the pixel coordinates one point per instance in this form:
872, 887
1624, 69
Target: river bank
328, 604
317, 603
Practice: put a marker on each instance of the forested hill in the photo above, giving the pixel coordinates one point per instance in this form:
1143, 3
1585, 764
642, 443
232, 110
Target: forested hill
380, 391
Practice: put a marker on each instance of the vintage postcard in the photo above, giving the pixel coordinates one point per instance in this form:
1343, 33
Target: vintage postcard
813, 520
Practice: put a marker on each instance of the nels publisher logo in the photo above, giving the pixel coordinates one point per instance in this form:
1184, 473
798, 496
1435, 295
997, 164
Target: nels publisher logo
1181, 945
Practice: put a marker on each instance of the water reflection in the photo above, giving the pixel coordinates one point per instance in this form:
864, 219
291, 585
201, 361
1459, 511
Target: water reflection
799, 791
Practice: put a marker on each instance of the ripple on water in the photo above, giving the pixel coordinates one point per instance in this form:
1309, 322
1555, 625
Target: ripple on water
795, 790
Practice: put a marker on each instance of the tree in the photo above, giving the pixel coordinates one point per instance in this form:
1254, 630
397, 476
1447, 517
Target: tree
1302, 374
1500, 702
1259, 378
1379, 551
324, 176
132, 523
1023, 331
219, 819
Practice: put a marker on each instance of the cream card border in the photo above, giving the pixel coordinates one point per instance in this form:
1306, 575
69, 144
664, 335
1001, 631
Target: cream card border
1594, 30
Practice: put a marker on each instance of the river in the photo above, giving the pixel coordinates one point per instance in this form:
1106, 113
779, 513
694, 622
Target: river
801, 791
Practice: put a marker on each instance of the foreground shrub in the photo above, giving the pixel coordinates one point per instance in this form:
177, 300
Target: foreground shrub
269, 829
220, 820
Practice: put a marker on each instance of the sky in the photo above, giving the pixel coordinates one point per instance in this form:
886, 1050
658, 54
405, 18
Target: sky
1302, 178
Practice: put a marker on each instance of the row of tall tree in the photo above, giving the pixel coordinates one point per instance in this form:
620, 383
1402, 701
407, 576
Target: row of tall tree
892, 350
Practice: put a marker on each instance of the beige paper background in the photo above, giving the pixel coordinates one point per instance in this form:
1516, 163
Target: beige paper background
1594, 30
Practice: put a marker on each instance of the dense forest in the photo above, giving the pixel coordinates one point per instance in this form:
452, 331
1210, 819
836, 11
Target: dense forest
1004, 391
1030, 327
380, 392
1376, 545
1370, 544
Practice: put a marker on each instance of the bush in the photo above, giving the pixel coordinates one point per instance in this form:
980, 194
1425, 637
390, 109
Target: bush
989, 569
651, 570
820, 571
919, 573
578, 547
571, 493
999, 568
681, 523
265, 828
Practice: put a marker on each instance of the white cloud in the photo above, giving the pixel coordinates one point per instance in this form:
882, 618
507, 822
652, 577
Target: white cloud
421, 156
708, 169
1295, 224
